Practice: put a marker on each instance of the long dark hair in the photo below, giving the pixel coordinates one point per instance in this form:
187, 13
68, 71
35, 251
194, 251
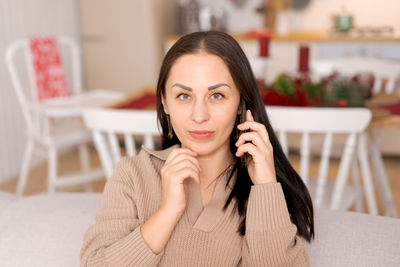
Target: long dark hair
224, 46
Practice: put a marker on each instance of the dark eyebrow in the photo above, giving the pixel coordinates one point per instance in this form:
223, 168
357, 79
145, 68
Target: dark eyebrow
212, 87
182, 86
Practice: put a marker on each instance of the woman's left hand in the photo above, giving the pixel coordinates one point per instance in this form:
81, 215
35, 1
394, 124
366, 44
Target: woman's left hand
261, 163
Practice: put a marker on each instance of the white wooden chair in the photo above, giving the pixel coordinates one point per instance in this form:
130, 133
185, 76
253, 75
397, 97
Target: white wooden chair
384, 71
54, 124
334, 194
387, 80
108, 124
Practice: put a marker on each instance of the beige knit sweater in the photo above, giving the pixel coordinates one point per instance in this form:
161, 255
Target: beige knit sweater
203, 236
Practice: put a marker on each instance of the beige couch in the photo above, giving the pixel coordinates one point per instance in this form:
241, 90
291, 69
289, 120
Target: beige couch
47, 230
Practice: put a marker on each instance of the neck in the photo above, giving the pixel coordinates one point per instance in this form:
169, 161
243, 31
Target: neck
213, 164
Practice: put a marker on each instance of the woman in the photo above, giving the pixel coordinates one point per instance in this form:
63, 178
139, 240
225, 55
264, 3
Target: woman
221, 193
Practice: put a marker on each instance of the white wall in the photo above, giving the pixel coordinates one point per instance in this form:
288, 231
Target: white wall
121, 43
317, 16
239, 19
20, 19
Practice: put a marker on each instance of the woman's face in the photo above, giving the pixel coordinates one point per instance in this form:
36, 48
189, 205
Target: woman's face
202, 101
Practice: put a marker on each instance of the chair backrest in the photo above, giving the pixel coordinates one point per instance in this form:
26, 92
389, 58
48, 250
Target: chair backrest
107, 124
28, 96
326, 121
386, 72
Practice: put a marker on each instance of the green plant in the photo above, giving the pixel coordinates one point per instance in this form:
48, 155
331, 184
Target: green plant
342, 91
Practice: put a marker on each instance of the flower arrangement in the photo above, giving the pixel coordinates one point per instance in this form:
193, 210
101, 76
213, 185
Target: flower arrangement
332, 91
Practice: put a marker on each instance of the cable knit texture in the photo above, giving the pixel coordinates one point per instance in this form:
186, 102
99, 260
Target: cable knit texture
204, 236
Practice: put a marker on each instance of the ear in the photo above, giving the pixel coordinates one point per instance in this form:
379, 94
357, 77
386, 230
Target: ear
164, 103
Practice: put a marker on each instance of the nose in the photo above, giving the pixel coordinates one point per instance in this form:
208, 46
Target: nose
200, 112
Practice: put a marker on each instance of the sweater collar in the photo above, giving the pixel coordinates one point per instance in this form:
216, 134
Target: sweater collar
160, 154
206, 218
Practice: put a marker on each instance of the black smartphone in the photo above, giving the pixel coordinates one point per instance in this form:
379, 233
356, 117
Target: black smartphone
242, 118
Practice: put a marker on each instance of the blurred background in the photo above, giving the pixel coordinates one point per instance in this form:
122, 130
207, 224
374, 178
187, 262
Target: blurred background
123, 42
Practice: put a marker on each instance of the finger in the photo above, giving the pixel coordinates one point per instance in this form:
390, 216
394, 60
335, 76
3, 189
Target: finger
251, 125
249, 116
178, 151
247, 148
257, 127
174, 172
254, 152
183, 157
253, 137
183, 164
186, 173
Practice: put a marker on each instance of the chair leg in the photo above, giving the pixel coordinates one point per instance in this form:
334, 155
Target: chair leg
52, 170
342, 174
356, 182
381, 177
366, 175
84, 157
23, 175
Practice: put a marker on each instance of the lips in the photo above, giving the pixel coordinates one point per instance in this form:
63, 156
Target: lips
201, 134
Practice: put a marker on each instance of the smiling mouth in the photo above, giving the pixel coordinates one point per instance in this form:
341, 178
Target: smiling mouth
201, 134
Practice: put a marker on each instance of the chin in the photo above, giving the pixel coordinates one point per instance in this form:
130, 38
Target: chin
201, 148
204, 148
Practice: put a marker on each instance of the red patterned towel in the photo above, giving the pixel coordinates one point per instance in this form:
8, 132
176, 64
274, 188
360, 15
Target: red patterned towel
48, 73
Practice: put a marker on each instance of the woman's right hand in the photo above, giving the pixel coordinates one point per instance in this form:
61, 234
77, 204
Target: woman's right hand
180, 165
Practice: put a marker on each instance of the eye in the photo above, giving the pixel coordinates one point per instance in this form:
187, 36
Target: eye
183, 96
217, 96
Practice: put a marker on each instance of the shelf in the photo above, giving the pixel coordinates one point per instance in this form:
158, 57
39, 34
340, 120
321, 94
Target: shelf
307, 36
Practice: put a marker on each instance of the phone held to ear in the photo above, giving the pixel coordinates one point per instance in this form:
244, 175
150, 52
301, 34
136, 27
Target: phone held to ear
242, 118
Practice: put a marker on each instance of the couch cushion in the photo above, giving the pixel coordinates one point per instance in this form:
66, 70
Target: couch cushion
6, 199
46, 230
354, 239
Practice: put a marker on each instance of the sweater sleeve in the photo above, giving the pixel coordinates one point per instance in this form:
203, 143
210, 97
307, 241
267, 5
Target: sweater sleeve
115, 238
270, 238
